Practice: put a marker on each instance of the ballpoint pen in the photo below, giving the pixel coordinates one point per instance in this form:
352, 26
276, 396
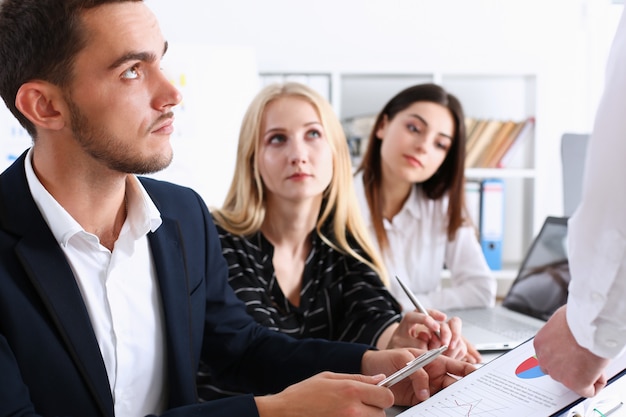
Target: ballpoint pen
412, 366
415, 301
609, 410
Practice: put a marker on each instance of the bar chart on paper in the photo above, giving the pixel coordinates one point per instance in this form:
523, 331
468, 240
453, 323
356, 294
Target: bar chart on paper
511, 385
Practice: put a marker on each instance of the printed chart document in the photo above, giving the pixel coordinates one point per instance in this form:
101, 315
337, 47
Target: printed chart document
511, 385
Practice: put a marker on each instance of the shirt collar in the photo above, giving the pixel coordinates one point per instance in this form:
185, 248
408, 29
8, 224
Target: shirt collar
412, 205
143, 215
410, 212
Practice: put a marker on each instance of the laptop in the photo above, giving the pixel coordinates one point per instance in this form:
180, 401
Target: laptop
538, 290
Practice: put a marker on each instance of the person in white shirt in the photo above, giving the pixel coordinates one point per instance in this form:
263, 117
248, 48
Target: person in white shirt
410, 185
591, 328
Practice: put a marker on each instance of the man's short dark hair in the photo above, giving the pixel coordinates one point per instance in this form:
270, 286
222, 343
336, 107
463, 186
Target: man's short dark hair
39, 40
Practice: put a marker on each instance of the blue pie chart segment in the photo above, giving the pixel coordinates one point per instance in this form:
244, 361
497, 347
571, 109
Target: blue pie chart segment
529, 369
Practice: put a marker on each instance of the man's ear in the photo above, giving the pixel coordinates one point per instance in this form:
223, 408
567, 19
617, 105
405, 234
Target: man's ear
42, 103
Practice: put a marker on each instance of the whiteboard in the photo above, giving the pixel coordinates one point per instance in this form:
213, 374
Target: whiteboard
13, 138
217, 84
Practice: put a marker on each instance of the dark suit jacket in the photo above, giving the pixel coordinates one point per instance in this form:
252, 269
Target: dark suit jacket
50, 363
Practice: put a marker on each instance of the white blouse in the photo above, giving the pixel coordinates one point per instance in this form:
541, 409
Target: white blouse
419, 249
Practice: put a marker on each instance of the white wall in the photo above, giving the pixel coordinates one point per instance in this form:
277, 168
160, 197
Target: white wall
563, 41
217, 83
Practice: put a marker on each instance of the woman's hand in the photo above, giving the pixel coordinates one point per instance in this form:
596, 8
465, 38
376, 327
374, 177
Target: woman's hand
473, 355
420, 331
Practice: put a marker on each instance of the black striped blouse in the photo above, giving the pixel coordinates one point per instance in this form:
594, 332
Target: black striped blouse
341, 298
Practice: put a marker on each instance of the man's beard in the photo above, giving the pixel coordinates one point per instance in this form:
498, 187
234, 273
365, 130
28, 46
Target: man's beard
110, 150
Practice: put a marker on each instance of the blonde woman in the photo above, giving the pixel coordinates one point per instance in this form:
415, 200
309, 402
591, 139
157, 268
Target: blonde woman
299, 255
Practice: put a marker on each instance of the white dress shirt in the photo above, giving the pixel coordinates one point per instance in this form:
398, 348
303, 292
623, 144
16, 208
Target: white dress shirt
121, 294
419, 248
596, 308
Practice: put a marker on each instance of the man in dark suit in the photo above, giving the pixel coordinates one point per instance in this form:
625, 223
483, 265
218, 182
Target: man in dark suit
113, 287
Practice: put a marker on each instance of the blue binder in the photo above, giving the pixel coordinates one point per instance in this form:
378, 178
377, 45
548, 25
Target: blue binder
492, 221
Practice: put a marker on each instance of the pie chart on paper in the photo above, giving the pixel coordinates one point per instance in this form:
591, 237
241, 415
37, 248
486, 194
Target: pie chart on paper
529, 369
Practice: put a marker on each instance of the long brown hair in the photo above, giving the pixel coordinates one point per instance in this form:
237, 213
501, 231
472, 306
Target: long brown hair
448, 179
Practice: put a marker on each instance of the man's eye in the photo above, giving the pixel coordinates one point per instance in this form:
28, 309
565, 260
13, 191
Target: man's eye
131, 73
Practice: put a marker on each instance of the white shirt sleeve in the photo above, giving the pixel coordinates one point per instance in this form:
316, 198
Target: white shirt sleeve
472, 283
596, 311
419, 248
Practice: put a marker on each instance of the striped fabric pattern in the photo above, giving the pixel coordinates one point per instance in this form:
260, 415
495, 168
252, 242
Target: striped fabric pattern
341, 298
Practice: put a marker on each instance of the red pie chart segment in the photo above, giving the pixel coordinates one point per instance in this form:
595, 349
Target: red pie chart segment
529, 369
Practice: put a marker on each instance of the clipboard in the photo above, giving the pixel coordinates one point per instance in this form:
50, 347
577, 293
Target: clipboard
511, 385
610, 402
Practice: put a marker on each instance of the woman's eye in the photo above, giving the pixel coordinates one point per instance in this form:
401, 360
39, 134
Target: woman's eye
443, 145
314, 134
414, 128
276, 139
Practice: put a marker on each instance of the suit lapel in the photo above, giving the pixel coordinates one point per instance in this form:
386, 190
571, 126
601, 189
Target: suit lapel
169, 261
63, 300
54, 281
50, 274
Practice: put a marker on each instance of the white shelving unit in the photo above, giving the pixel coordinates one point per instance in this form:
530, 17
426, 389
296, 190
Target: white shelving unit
505, 96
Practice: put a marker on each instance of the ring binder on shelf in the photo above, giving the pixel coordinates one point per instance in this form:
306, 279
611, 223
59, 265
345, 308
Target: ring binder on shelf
492, 221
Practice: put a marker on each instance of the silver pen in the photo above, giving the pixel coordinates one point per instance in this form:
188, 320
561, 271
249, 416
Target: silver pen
412, 366
415, 301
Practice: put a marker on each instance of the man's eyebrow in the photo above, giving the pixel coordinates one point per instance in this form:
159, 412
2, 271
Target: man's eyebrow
137, 56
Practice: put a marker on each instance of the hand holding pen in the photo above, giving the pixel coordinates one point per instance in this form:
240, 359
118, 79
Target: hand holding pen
416, 302
458, 347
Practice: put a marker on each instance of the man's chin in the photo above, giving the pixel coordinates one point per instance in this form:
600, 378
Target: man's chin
148, 166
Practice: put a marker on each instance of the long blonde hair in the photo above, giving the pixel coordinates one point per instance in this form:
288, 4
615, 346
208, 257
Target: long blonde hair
244, 208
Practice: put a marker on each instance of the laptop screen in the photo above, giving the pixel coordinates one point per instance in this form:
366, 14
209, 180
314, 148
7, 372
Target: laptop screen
541, 284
